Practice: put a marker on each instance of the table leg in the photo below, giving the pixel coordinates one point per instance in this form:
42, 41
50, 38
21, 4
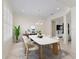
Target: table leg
41, 52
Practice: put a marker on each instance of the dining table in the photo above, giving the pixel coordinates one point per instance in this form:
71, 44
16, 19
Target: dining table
43, 41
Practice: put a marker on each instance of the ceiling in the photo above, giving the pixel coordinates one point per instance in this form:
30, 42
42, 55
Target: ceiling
43, 8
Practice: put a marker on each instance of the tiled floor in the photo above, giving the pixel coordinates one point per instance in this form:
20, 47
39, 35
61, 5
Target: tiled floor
17, 52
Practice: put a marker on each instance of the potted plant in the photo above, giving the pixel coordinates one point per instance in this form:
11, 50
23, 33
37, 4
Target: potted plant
40, 34
16, 32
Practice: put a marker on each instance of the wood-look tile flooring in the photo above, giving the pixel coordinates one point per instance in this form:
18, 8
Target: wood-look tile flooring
17, 52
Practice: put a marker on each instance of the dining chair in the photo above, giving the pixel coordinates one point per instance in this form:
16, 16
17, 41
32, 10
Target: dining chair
29, 45
26, 34
59, 43
56, 46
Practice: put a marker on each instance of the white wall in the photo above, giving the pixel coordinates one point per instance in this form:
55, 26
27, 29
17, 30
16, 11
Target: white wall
58, 20
7, 30
27, 21
48, 27
73, 29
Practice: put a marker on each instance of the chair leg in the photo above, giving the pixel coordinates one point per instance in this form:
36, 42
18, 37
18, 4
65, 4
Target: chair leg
26, 54
24, 50
59, 46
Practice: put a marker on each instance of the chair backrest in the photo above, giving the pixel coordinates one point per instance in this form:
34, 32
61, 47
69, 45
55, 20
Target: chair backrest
25, 39
56, 38
25, 42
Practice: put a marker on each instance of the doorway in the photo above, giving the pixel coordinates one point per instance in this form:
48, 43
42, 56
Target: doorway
53, 28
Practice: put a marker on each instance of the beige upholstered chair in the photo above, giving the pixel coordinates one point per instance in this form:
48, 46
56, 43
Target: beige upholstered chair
29, 45
59, 45
56, 46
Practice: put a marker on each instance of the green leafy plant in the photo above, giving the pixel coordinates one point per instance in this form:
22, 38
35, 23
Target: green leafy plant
17, 32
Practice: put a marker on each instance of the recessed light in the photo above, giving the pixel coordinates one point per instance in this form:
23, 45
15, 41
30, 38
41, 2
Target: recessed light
23, 10
58, 8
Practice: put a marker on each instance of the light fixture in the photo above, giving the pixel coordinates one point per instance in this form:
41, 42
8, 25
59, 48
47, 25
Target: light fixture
32, 27
37, 23
22, 10
58, 8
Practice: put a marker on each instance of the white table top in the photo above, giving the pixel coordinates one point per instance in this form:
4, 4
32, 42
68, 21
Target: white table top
45, 40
